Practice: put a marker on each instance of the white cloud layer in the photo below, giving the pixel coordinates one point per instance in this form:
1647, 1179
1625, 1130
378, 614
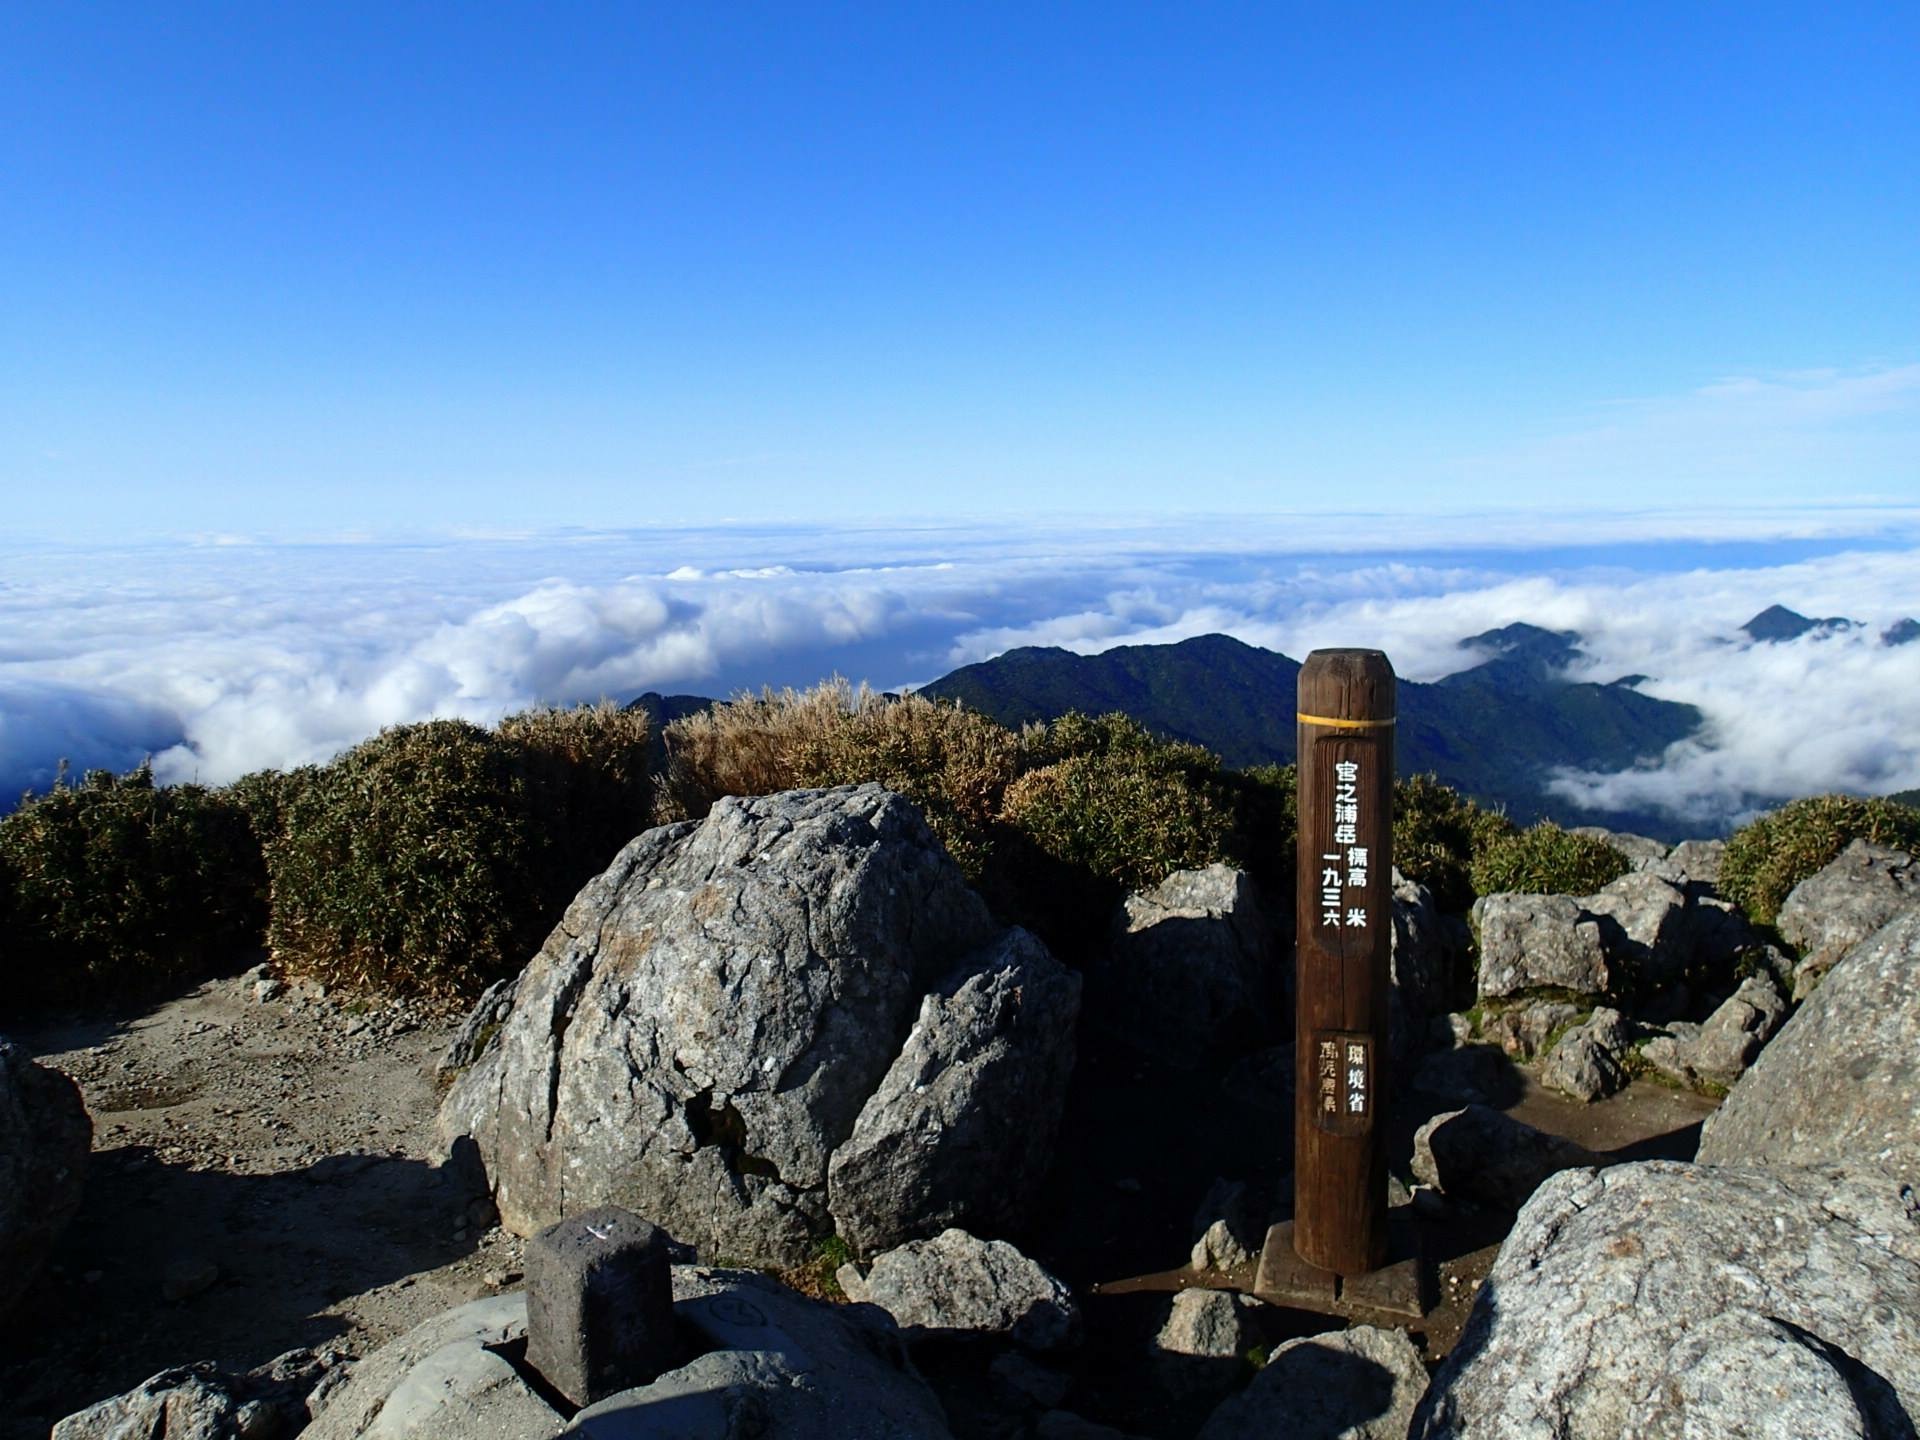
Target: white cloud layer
220, 657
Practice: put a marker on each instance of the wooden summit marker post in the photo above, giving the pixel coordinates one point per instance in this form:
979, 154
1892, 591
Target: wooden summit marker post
1345, 920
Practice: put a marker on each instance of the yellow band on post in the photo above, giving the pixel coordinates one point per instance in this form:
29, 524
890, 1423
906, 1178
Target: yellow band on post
1334, 724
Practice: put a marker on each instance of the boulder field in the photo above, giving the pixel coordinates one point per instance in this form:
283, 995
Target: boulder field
794, 1022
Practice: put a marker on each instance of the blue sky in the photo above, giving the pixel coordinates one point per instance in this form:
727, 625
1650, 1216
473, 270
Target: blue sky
365, 363
289, 271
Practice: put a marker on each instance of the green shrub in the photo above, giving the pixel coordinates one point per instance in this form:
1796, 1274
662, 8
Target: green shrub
1265, 801
436, 857
1438, 834
1768, 857
407, 864
1543, 859
1130, 818
116, 887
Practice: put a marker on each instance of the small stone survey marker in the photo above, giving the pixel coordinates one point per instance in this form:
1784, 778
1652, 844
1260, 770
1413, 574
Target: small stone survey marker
599, 1304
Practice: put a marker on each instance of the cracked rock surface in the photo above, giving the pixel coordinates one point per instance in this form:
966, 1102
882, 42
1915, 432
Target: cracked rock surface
710, 1020
1842, 1078
1663, 1299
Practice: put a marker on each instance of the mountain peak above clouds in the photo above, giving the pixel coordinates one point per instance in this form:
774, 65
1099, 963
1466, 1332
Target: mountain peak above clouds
1518, 651
1776, 623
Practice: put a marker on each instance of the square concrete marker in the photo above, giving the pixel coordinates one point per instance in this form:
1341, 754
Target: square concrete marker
599, 1304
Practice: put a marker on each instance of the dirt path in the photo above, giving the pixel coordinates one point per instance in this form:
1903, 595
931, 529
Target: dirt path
264, 1176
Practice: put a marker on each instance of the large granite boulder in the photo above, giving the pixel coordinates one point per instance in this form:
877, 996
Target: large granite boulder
1841, 1080
204, 1402
1665, 1300
967, 1101
1190, 965
771, 1363
45, 1138
1485, 1157
1357, 1384
1830, 912
1635, 939
737, 998
1539, 942
957, 1286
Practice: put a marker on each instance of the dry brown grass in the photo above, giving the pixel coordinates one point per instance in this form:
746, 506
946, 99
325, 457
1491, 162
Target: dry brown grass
750, 745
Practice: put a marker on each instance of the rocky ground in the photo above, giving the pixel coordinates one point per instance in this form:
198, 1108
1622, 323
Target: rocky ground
264, 1176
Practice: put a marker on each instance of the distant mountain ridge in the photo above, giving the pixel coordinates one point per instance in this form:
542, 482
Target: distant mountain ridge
1777, 623
1495, 730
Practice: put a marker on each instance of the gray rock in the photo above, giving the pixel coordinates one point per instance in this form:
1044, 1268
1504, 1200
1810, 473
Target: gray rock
1230, 1227
1640, 849
1665, 1300
1672, 1053
1487, 1158
441, 1378
962, 1127
954, 1285
1696, 862
783, 1366
480, 1029
1533, 942
706, 1025
852, 1280
1719, 933
1841, 1080
1357, 1384
1523, 1031
1589, 1063
1188, 966
774, 1360
1733, 1034
1214, 1323
203, 1402
1829, 913
1646, 928
1202, 1345
45, 1137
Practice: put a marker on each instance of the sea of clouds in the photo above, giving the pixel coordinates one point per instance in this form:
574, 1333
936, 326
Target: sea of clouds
220, 655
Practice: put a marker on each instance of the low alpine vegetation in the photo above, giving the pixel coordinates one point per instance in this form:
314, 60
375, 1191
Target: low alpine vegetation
1767, 858
1543, 859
